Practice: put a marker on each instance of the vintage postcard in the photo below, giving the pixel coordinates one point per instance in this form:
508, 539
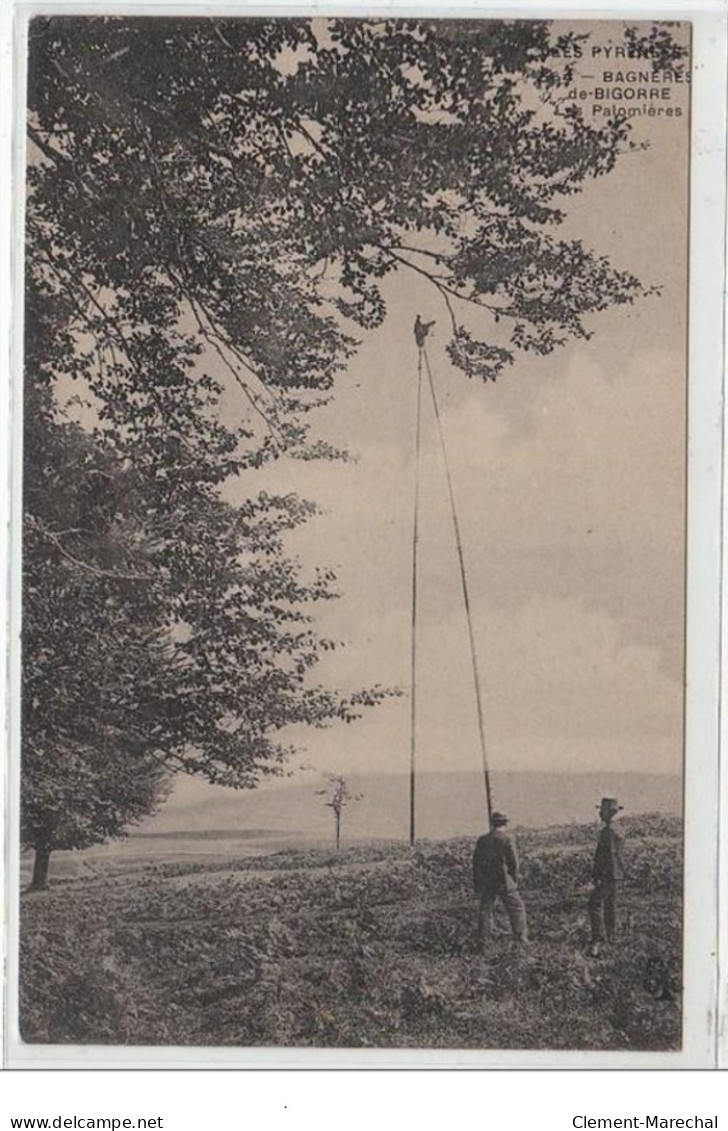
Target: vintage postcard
358, 523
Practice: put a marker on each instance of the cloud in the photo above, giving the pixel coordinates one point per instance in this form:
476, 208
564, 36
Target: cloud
589, 501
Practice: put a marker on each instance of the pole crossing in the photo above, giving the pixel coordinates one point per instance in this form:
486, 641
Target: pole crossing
413, 641
463, 582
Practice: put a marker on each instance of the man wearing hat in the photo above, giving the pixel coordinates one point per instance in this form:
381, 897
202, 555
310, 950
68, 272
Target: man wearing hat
607, 873
495, 876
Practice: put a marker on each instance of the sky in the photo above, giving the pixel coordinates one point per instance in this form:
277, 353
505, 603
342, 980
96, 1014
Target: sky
569, 479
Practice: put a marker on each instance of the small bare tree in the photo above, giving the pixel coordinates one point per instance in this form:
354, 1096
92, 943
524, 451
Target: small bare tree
339, 796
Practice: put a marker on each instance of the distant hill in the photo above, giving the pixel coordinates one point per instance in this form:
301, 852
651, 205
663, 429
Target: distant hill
448, 805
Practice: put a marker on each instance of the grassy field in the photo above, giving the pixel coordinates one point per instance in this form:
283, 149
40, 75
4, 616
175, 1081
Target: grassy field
373, 947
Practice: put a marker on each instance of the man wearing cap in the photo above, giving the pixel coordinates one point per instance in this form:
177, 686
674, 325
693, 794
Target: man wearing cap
607, 873
495, 876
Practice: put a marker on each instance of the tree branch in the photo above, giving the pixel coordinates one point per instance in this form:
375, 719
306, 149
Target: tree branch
54, 538
212, 339
47, 150
443, 288
186, 289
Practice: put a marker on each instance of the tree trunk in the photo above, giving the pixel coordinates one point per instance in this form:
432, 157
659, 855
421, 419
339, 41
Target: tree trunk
39, 881
338, 831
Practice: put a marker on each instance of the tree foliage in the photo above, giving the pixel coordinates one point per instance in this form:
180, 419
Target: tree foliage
92, 654
226, 196
234, 168
163, 628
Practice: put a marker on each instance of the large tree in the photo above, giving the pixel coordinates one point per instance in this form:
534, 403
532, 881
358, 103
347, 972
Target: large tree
164, 631
92, 655
236, 190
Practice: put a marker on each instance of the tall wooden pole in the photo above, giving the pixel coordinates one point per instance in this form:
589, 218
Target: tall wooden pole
413, 636
466, 595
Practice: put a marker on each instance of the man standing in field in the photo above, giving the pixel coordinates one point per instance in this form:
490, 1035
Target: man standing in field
495, 876
607, 873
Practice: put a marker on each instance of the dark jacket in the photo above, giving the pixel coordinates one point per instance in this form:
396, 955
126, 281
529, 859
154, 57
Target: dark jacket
422, 329
608, 857
495, 863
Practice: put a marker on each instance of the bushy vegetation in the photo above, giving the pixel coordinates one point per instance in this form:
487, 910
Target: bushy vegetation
373, 947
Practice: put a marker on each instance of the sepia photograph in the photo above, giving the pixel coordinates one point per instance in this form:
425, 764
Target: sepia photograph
354, 512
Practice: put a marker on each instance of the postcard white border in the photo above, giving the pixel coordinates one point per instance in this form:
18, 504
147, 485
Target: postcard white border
705, 461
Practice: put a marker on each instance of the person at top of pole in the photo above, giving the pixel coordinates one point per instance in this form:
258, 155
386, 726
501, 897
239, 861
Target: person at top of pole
422, 329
